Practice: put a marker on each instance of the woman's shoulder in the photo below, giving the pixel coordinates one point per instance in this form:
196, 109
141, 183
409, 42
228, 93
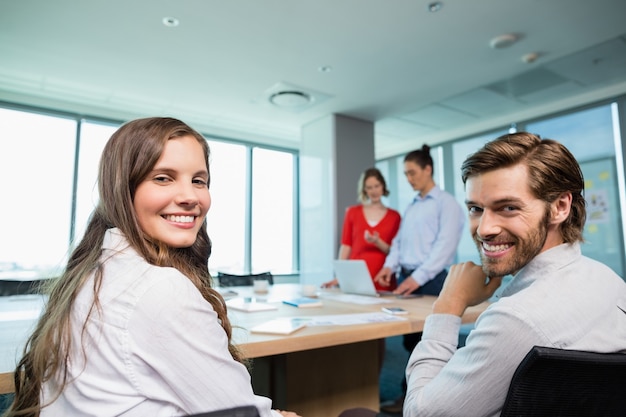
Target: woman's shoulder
139, 280
393, 213
354, 208
166, 292
168, 282
352, 211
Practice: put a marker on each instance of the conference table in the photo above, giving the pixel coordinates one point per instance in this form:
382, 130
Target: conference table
333, 363
318, 371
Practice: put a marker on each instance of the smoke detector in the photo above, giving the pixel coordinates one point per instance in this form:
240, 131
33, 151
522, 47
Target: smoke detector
290, 99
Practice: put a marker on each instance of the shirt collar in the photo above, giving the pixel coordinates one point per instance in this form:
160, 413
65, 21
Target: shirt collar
544, 264
434, 193
115, 240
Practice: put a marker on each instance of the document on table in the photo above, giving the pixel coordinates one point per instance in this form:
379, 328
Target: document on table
281, 325
249, 304
356, 299
347, 319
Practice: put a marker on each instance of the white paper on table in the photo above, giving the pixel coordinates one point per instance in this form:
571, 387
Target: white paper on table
347, 319
356, 299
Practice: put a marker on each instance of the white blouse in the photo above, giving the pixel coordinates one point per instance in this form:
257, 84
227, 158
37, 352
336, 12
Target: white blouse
154, 348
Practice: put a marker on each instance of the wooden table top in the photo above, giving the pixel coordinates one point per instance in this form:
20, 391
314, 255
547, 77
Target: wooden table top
257, 345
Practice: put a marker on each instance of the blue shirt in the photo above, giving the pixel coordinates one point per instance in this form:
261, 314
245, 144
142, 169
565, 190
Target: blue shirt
429, 234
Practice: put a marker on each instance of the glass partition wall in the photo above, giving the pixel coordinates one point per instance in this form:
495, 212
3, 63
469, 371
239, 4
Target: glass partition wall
593, 136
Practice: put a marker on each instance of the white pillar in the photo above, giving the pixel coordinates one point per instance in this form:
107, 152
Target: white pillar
334, 151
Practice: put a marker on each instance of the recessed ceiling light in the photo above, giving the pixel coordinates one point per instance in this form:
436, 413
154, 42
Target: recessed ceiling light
435, 6
530, 58
170, 22
290, 99
503, 41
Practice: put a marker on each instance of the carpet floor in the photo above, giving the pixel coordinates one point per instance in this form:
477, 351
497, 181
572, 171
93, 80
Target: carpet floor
392, 373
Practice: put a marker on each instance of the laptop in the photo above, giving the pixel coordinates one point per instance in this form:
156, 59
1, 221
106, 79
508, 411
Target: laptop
354, 278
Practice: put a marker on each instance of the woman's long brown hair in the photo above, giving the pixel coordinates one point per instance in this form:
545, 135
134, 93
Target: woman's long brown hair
128, 157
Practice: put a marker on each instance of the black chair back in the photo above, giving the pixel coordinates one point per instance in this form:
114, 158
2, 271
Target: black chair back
232, 280
244, 411
556, 382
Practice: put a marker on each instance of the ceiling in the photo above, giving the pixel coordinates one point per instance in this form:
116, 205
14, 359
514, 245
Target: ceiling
422, 77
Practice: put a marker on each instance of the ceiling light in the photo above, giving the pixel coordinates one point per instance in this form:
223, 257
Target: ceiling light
170, 22
530, 58
435, 6
290, 99
503, 41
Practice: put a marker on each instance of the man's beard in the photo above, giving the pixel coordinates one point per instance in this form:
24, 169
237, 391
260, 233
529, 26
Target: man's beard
524, 251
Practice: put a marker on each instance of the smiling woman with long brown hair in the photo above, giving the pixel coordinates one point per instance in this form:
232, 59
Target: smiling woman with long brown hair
133, 326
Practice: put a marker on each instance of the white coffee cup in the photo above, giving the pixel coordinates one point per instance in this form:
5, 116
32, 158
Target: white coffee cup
261, 285
309, 290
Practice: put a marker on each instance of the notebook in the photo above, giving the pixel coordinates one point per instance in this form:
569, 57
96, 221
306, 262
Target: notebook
354, 278
249, 304
281, 325
303, 302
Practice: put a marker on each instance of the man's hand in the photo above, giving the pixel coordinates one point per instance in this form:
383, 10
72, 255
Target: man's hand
331, 284
383, 277
466, 285
407, 286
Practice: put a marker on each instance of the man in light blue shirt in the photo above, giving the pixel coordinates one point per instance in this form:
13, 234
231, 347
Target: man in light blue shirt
426, 243
429, 234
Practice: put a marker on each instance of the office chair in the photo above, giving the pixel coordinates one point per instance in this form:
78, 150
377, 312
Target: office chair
555, 382
244, 411
232, 280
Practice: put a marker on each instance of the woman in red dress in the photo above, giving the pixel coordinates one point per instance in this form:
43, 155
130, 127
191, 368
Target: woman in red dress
369, 227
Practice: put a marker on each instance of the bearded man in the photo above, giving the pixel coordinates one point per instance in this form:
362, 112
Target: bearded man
526, 214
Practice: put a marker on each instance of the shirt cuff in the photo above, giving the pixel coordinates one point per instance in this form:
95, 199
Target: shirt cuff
442, 328
421, 279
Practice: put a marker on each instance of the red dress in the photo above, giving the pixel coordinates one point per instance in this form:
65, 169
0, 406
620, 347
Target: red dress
354, 226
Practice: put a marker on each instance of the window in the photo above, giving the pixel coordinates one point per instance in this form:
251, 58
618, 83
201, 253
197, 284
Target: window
251, 222
273, 208
226, 220
383, 167
588, 134
37, 168
93, 138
